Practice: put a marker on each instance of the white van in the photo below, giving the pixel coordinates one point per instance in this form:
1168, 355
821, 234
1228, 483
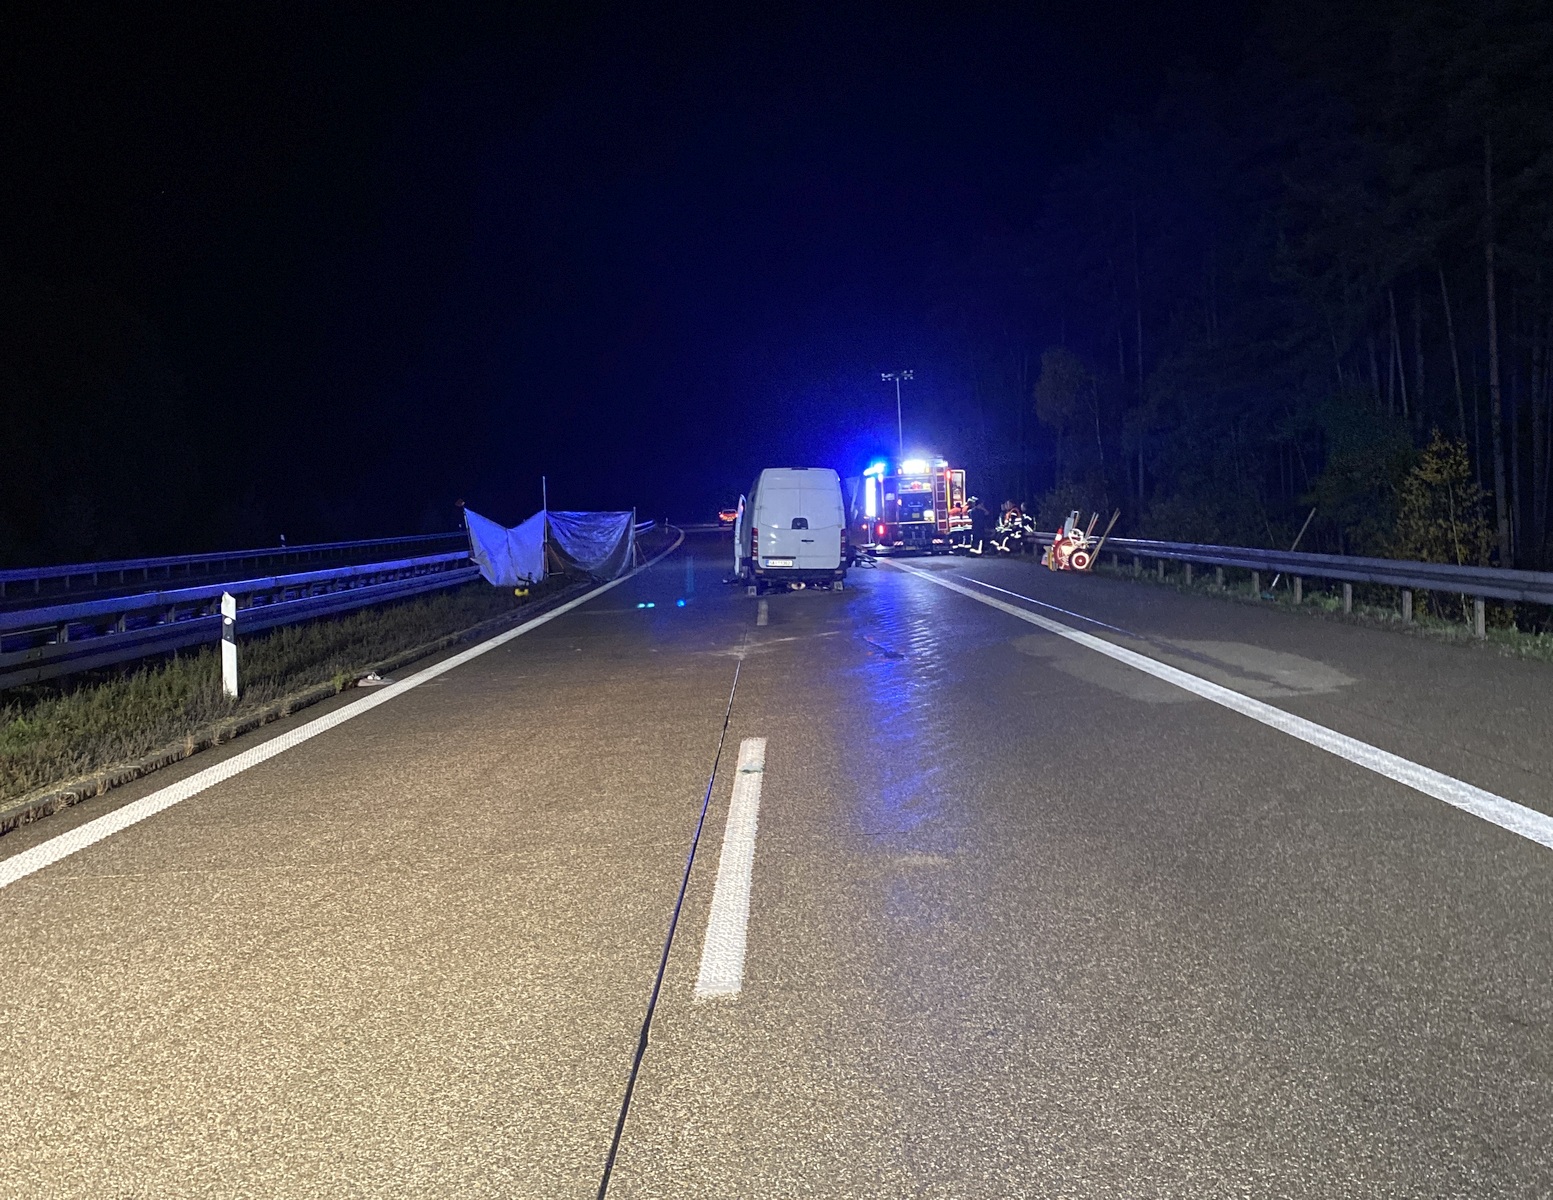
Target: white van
793, 529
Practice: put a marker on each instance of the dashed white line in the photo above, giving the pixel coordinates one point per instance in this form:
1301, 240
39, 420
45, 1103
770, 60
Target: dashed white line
762, 613
722, 954
1507, 814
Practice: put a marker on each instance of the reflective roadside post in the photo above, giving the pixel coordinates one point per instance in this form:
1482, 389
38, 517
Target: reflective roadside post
229, 644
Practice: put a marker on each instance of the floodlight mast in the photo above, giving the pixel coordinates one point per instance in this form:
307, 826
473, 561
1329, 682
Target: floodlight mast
900, 436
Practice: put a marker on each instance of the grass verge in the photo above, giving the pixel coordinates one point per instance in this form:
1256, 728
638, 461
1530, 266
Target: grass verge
1374, 607
63, 742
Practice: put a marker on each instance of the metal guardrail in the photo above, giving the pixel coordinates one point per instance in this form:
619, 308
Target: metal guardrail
59, 639
1490, 583
21, 586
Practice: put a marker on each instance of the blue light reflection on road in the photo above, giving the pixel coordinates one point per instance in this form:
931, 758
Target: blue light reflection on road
904, 792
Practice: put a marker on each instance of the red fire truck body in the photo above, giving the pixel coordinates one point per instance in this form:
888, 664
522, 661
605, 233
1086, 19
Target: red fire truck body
919, 507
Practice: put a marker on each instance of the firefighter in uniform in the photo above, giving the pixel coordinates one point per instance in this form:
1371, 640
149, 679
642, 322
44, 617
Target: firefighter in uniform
981, 519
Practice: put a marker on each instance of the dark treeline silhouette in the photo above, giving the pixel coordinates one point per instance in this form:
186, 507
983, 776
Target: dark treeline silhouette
1273, 294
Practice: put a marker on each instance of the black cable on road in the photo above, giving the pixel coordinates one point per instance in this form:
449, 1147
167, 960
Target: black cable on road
668, 941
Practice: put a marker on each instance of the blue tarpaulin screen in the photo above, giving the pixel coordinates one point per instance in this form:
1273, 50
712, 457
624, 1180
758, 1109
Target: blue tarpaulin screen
507, 557
600, 544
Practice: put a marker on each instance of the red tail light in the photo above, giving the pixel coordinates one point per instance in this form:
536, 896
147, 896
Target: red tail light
881, 529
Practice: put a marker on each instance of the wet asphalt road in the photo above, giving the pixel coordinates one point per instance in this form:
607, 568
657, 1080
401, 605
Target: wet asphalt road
1023, 921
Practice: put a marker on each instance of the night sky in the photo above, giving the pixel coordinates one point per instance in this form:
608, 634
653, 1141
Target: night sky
382, 259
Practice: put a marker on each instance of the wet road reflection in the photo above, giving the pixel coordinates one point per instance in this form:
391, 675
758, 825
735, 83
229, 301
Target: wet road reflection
903, 800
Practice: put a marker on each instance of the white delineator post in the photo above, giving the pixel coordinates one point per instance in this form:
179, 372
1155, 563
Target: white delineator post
229, 644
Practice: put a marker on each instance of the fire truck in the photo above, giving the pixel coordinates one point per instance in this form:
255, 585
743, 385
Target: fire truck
919, 505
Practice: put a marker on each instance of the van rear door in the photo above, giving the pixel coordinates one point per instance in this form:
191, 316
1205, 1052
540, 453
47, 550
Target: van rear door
820, 507
779, 517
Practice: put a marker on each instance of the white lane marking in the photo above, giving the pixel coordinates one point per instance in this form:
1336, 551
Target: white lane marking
762, 613
722, 954
1067, 612
44, 854
1507, 814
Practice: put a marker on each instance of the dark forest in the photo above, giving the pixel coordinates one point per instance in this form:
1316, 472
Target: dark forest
1326, 283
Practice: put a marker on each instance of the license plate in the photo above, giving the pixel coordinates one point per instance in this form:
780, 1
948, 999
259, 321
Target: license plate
779, 562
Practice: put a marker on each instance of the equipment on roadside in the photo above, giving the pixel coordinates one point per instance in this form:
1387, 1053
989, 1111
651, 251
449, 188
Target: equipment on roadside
1075, 549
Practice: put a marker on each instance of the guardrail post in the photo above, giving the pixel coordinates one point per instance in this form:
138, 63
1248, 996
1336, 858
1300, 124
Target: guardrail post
1188, 574
1347, 597
1407, 606
229, 644
1299, 591
1159, 569
1137, 566
1218, 578
1478, 621
1256, 585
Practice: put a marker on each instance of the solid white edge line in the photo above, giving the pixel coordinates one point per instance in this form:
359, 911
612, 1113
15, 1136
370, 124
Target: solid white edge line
727, 928
1507, 814
29, 862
